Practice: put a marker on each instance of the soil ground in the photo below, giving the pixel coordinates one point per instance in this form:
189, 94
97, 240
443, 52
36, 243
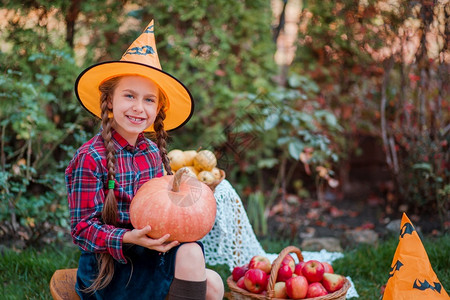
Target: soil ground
298, 219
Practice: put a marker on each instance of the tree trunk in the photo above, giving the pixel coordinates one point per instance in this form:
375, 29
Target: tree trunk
71, 17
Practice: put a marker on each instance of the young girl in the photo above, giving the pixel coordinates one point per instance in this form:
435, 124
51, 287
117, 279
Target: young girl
131, 96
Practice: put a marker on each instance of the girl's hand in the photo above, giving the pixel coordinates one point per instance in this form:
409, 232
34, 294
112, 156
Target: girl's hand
139, 237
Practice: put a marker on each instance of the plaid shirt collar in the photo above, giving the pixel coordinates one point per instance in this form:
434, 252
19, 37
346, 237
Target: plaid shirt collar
120, 143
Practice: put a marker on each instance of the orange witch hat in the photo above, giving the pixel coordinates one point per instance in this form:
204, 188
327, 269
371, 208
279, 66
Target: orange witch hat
141, 58
411, 276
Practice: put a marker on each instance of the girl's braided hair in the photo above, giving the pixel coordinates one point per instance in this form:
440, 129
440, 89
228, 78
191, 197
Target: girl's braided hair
161, 134
110, 212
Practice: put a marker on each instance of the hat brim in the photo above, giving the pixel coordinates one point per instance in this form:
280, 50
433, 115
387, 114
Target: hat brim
180, 104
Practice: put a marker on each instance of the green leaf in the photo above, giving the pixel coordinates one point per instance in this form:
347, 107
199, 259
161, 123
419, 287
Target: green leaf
283, 140
423, 166
267, 163
271, 121
295, 148
45, 78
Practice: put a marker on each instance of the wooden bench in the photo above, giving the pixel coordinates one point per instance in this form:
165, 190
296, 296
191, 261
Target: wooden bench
62, 285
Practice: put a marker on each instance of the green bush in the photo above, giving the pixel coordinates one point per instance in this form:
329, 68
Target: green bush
39, 128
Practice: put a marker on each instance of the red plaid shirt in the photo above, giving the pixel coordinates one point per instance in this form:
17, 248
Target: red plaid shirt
86, 181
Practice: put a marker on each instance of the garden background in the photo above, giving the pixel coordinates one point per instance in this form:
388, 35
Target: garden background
327, 116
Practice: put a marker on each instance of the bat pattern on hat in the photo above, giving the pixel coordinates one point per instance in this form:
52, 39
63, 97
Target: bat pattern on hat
406, 229
396, 267
425, 286
149, 29
144, 50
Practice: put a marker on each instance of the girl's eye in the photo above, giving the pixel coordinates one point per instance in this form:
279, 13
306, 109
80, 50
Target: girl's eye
129, 96
150, 100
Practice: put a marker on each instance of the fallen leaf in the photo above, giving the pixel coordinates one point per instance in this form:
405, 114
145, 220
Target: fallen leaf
321, 223
313, 214
374, 200
368, 225
315, 204
353, 213
292, 199
336, 212
277, 208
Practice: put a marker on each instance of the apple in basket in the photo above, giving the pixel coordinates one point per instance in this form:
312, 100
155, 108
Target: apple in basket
327, 267
240, 283
255, 280
239, 271
298, 268
297, 287
260, 262
316, 289
313, 271
284, 273
288, 260
333, 282
279, 290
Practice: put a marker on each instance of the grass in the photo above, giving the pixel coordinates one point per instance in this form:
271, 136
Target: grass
26, 274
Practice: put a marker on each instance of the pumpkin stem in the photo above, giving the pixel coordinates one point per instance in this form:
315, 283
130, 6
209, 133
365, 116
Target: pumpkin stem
177, 179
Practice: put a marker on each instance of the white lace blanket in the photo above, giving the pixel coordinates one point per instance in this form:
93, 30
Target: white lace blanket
233, 242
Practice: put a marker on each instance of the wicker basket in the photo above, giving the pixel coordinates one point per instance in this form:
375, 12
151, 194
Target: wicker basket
216, 183
241, 294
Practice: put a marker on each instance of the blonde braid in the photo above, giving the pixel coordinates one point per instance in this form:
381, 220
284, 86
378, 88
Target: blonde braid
110, 210
161, 138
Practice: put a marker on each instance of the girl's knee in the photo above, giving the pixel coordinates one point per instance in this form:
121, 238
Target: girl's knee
214, 285
191, 252
190, 262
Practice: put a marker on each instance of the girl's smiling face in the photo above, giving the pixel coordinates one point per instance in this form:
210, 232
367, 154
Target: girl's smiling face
134, 105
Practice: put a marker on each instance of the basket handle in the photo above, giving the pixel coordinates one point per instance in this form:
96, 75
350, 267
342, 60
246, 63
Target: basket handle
277, 264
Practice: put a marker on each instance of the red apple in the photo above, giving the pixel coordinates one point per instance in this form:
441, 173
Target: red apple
288, 260
316, 289
297, 287
333, 282
239, 271
284, 273
313, 271
298, 268
328, 268
279, 290
260, 262
382, 289
240, 283
255, 280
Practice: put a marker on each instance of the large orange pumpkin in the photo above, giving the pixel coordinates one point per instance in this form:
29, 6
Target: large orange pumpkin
177, 204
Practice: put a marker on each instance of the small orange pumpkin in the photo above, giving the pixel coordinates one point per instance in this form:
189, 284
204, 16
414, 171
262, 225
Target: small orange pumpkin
177, 204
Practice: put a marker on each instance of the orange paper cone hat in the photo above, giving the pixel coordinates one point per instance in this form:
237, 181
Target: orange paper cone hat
411, 276
141, 58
